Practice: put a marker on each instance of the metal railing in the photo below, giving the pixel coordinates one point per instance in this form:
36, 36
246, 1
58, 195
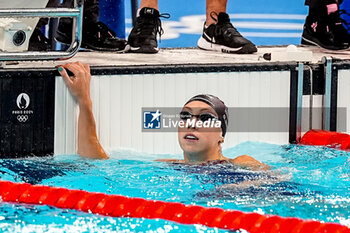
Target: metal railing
75, 13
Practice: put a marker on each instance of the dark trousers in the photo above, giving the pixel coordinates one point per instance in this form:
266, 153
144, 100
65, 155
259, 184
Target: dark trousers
320, 3
91, 10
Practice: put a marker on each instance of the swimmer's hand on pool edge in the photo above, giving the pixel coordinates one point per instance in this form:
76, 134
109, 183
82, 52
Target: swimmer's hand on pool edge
79, 86
243, 161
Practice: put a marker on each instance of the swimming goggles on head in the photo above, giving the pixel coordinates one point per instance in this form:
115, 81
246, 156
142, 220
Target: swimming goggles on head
185, 115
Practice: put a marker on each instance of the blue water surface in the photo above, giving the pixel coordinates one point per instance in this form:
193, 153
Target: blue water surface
304, 181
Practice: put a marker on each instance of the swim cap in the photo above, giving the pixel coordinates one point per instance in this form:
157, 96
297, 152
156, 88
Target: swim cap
218, 105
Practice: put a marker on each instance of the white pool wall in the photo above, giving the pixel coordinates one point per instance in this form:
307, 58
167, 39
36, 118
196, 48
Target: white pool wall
344, 95
118, 100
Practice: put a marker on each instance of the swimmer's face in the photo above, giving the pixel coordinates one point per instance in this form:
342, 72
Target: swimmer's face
194, 140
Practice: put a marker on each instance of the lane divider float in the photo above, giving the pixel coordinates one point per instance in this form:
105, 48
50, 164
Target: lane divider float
326, 138
120, 206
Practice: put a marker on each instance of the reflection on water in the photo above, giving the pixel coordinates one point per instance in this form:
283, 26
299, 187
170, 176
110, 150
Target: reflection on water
34, 171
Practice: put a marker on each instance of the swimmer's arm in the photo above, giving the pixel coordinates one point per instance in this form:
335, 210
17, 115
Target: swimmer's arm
247, 161
79, 85
88, 143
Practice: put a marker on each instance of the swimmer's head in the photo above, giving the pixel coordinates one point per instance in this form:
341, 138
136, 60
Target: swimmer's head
203, 143
218, 106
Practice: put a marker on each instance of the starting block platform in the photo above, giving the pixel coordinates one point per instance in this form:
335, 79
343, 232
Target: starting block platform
192, 56
284, 91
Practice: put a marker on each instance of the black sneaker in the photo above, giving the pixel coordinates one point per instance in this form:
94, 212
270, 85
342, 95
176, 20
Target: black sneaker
96, 36
39, 42
336, 25
143, 37
224, 37
322, 34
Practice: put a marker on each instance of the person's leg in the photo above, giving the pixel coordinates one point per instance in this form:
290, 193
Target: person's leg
96, 35
323, 26
149, 4
91, 9
318, 3
38, 41
143, 37
219, 34
315, 7
321, 8
44, 21
313, 3
216, 6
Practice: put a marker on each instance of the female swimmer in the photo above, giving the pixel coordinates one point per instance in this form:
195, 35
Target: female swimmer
199, 144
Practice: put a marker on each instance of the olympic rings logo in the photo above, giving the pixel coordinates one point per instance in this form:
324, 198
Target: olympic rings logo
22, 118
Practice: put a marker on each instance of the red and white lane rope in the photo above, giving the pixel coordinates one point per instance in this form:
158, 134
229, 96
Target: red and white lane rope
120, 206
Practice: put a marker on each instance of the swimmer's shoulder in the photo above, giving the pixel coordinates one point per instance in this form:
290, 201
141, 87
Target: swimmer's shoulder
247, 161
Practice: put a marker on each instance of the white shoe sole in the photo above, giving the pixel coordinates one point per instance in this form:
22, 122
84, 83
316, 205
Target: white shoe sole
145, 49
203, 44
313, 43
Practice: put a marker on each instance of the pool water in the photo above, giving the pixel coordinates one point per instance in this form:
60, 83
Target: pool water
305, 182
